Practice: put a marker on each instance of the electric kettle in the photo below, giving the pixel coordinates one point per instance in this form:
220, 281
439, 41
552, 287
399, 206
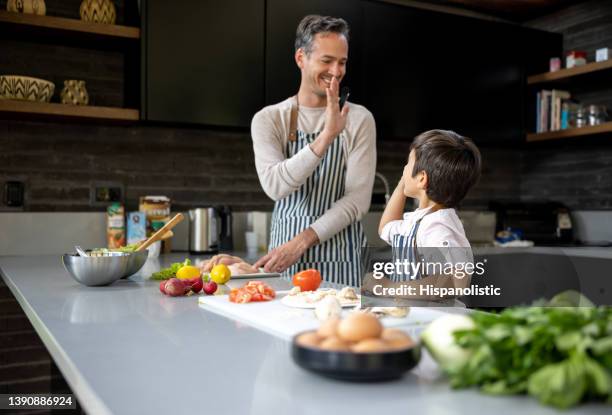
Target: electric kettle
204, 231
210, 230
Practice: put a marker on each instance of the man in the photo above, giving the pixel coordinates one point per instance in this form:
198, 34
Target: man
317, 162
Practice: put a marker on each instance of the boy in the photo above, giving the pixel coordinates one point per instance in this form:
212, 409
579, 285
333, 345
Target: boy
442, 167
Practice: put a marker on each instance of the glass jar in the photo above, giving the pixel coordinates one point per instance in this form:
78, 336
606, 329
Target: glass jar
597, 114
580, 117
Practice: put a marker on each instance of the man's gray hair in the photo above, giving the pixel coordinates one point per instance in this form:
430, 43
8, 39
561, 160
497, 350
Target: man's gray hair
313, 24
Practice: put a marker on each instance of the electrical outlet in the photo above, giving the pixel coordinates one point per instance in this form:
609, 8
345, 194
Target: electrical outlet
13, 193
103, 193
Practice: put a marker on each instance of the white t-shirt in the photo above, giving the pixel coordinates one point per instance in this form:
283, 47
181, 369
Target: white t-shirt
441, 228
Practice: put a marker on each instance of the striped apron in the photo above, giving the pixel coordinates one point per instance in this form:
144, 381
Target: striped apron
405, 249
339, 258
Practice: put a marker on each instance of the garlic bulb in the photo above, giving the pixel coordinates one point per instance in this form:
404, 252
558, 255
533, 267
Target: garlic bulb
347, 293
328, 307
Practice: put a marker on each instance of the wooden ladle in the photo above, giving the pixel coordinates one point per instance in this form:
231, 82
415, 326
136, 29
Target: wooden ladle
157, 236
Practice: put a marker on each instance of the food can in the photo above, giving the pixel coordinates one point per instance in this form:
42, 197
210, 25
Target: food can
156, 210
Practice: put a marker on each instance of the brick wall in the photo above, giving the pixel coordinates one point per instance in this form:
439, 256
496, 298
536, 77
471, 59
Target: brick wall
500, 170
24, 361
194, 167
60, 162
25, 364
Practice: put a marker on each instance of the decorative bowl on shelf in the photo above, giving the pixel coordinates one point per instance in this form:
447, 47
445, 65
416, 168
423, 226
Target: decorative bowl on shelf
27, 6
74, 93
98, 11
26, 88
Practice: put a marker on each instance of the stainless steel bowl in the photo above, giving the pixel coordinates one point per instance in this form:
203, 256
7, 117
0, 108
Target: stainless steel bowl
94, 271
136, 261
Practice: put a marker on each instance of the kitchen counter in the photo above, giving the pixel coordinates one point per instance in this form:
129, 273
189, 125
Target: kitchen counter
570, 251
127, 349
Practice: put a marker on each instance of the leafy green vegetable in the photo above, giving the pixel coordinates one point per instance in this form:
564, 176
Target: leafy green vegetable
170, 272
560, 355
559, 384
127, 248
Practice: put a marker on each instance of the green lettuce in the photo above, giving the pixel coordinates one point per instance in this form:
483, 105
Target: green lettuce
170, 272
560, 355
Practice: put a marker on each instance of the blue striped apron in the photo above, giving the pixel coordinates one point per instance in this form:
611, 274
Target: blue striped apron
339, 258
404, 248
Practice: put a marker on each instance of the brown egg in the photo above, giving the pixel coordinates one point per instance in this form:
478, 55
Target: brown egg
359, 326
370, 346
335, 344
309, 339
400, 343
392, 334
329, 328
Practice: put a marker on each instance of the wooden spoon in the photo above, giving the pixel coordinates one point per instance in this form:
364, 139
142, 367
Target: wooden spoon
157, 236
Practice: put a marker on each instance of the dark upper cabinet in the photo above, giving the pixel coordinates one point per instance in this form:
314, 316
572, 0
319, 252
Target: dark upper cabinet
217, 63
428, 70
203, 61
282, 18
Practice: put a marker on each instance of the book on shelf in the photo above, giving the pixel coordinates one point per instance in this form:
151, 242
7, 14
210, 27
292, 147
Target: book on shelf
558, 97
538, 110
549, 110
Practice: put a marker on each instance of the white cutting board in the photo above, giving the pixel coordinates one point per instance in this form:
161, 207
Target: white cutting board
282, 321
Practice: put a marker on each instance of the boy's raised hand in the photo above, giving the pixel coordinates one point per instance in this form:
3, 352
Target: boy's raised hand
394, 210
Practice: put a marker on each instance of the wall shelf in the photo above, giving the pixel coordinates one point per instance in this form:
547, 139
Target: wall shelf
62, 24
571, 132
568, 73
42, 110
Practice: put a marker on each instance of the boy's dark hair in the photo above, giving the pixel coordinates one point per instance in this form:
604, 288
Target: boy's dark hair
452, 163
313, 24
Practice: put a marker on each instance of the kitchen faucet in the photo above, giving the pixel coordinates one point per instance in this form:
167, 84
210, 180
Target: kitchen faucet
386, 184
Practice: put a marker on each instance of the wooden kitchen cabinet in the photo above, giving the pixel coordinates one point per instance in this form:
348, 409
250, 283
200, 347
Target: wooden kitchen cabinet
203, 61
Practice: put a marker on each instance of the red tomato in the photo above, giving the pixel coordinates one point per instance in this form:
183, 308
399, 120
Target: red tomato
308, 280
252, 291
